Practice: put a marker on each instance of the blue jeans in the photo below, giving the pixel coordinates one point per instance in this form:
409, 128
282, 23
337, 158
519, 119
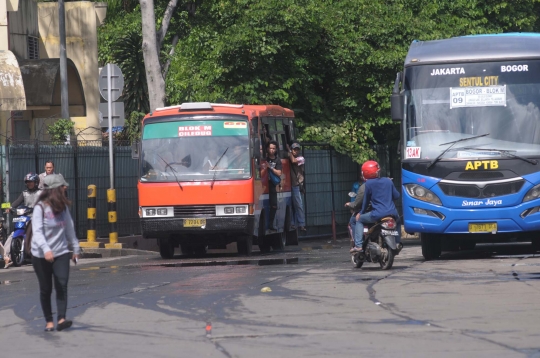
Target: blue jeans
358, 227
298, 207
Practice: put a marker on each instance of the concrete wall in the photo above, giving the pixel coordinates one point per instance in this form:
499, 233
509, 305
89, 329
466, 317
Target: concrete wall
23, 23
82, 19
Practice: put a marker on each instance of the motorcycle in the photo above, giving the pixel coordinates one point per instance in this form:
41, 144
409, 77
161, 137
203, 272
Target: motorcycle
379, 245
20, 223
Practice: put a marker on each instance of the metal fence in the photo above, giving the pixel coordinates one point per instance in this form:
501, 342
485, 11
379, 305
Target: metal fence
329, 178
81, 164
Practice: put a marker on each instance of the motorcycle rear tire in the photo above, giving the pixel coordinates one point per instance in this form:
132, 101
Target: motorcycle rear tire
17, 251
387, 264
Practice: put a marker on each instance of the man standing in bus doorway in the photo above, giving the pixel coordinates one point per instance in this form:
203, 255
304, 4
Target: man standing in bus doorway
297, 180
274, 165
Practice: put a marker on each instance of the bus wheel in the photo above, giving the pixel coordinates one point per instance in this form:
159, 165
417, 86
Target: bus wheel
431, 246
279, 241
166, 248
245, 245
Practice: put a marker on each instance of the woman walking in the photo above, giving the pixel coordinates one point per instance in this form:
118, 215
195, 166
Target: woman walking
53, 235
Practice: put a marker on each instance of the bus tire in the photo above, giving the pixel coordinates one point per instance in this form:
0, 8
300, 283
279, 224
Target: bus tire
431, 246
279, 240
262, 239
245, 246
166, 248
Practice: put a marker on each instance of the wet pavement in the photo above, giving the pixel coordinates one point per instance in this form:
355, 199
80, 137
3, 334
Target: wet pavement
306, 301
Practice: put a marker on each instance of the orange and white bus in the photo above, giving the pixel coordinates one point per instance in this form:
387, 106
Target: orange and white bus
203, 182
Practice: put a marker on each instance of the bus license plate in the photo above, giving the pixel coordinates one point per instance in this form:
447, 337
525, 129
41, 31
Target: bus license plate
483, 227
194, 222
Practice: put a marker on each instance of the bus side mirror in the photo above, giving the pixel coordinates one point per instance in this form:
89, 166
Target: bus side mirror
397, 106
397, 101
135, 149
256, 148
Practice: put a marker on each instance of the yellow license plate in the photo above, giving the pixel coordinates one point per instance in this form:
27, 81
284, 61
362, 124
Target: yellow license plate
483, 227
194, 222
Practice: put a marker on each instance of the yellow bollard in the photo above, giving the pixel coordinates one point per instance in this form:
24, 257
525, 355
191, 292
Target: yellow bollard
91, 216
113, 231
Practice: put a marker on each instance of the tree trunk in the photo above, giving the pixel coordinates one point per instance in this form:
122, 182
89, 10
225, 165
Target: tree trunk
154, 78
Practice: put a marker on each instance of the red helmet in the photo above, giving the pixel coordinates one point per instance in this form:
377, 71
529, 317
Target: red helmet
370, 169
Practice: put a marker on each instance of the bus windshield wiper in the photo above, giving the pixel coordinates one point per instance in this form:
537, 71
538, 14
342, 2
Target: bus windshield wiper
214, 167
505, 152
167, 165
451, 145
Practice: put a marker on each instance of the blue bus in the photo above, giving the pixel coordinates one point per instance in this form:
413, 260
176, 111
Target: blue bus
469, 109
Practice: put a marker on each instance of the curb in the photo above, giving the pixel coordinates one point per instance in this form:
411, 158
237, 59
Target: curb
97, 253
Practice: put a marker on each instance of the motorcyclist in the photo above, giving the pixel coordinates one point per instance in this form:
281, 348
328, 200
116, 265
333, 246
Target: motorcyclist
381, 193
29, 196
356, 205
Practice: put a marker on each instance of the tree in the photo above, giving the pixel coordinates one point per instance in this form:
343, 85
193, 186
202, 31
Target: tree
157, 65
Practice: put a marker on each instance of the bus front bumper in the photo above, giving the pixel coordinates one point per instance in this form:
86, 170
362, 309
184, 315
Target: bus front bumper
164, 227
456, 221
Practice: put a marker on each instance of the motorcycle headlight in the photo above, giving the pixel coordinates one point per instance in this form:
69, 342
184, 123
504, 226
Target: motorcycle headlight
421, 193
532, 194
20, 211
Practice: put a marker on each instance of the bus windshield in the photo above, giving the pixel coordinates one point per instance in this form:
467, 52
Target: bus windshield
495, 102
195, 150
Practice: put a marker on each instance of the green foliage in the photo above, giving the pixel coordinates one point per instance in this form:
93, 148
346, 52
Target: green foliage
334, 61
129, 57
60, 130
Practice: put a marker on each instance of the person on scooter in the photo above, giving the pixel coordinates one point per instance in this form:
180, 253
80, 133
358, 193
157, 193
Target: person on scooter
355, 207
29, 197
381, 192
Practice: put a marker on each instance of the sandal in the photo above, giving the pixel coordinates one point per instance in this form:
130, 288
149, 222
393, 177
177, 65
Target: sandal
8, 264
63, 325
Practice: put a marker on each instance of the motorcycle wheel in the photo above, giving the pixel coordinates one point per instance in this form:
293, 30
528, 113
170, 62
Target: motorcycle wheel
386, 264
357, 263
17, 251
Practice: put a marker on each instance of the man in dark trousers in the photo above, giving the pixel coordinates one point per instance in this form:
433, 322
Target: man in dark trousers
274, 165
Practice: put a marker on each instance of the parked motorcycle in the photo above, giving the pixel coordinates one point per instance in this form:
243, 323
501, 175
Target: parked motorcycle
20, 223
379, 245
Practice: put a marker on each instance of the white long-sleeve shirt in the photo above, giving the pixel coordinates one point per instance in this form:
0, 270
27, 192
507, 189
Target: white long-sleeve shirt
52, 233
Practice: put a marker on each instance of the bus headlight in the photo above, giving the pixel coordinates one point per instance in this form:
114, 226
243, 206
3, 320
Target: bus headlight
532, 194
421, 193
167, 212
232, 210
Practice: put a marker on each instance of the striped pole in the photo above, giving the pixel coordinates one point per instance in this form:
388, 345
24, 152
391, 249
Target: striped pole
113, 231
91, 216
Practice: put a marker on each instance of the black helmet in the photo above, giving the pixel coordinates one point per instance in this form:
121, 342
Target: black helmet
32, 177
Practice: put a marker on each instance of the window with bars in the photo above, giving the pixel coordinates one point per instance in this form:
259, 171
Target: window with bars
33, 48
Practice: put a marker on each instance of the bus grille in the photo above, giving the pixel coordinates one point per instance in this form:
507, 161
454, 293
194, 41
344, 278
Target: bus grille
191, 211
489, 191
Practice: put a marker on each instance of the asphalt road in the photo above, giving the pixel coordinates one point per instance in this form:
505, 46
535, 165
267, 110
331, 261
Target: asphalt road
481, 303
